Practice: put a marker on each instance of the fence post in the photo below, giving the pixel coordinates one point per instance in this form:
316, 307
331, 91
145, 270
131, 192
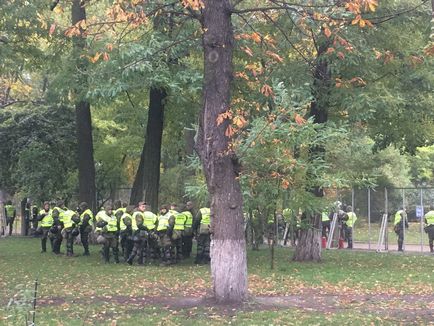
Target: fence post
369, 218
386, 208
421, 220
405, 216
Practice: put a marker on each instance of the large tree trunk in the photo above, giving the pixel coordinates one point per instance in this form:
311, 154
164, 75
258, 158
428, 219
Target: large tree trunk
309, 245
228, 246
147, 180
86, 166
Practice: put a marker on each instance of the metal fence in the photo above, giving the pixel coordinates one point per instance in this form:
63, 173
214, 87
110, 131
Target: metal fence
371, 205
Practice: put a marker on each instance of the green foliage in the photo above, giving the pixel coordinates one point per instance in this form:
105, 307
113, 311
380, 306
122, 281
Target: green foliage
276, 155
422, 166
20, 305
37, 151
395, 91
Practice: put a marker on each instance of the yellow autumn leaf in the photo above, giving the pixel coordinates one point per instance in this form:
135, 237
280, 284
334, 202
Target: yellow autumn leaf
247, 50
95, 58
299, 119
285, 184
239, 121
356, 20
229, 131
267, 90
256, 37
275, 56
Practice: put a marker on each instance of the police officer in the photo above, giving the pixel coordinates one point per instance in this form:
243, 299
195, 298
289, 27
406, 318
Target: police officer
108, 229
151, 245
178, 231
325, 224
126, 230
70, 230
45, 223
187, 237
166, 222
399, 223
118, 211
140, 234
10, 214
349, 219
201, 225
86, 226
34, 219
429, 227
56, 229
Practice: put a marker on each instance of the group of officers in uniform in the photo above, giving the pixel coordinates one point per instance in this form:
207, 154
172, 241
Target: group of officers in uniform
133, 233
346, 219
136, 233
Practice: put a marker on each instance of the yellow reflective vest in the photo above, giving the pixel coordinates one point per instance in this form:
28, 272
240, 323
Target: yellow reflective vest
180, 219
67, 218
398, 216
88, 212
163, 221
429, 218
10, 211
150, 220
47, 220
137, 219
352, 218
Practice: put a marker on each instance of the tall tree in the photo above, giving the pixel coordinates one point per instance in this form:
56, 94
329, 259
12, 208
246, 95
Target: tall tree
228, 248
147, 180
86, 165
309, 247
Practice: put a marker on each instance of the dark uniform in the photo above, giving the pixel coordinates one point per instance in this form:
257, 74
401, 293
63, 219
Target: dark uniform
399, 223
45, 223
70, 222
140, 234
429, 228
201, 226
126, 230
35, 221
151, 245
56, 229
118, 211
10, 214
325, 224
107, 228
178, 232
166, 222
86, 226
187, 237
348, 222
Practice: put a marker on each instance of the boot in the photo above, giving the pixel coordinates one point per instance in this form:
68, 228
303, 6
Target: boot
107, 255
131, 258
116, 255
44, 245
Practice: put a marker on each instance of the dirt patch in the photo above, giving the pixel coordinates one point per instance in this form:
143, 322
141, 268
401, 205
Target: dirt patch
401, 308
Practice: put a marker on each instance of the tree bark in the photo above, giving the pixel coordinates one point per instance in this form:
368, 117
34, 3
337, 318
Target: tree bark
147, 180
86, 165
309, 245
228, 245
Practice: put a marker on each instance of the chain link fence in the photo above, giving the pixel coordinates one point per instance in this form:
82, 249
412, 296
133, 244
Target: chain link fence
371, 205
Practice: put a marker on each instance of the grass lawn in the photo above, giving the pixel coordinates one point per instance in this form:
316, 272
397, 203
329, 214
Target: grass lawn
412, 234
348, 287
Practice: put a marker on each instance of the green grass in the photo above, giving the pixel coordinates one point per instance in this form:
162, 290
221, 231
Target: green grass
412, 234
85, 291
